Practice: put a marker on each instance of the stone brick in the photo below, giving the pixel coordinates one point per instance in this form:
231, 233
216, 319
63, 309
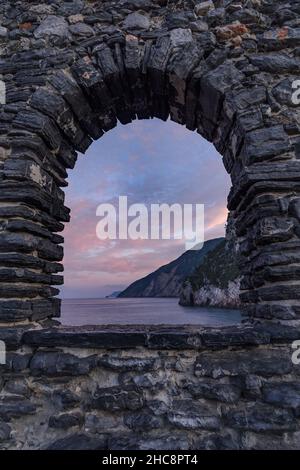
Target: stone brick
65, 420
260, 418
60, 364
191, 415
79, 442
15, 407
228, 393
227, 363
72, 70
5, 431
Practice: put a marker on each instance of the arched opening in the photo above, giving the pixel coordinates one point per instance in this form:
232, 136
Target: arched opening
151, 162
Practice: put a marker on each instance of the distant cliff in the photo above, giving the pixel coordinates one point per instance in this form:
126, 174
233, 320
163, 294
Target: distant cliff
113, 295
216, 280
167, 280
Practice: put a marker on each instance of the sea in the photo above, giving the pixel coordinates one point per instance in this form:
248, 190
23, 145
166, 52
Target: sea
143, 311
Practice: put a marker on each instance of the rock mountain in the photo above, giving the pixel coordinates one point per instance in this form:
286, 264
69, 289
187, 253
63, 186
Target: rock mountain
216, 281
212, 271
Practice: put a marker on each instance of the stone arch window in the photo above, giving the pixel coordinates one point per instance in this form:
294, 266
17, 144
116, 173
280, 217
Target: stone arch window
223, 73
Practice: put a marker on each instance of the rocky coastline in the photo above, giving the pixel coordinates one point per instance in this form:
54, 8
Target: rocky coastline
216, 282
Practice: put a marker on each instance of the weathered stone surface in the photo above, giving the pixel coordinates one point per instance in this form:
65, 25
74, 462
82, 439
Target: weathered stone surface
283, 92
180, 36
72, 70
17, 387
283, 394
275, 63
65, 399
81, 29
161, 442
280, 333
79, 442
52, 26
216, 67
65, 420
3, 32
60, 364
154, 337
73, 19
12, 337
251, 440
85, 338
190, 415
217, 441
234, 337
117, 398
265, 143
15, 407
5, 431
266, 363
252, 386
16, 362
231, 31
173, 340
213, 87
228, 393
241, 388
136, 21
140, 421
202, 8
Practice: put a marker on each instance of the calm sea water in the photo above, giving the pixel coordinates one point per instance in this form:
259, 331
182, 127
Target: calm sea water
142, 311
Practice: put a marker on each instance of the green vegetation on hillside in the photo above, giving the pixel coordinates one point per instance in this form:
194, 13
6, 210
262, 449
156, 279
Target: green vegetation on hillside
219, 267
168, 279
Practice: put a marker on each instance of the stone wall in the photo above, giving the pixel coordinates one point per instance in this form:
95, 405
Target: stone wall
150, 388
74, 69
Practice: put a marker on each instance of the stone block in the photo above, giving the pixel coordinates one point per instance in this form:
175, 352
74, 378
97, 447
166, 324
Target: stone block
128, 363
65, 420
212, 390
117, 399
79, 442
261, 418
52, 26
266, 363
142, 421
5, 429
191, 415
15, 407
58, 364
89, 337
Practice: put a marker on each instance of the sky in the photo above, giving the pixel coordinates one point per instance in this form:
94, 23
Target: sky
150, 162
